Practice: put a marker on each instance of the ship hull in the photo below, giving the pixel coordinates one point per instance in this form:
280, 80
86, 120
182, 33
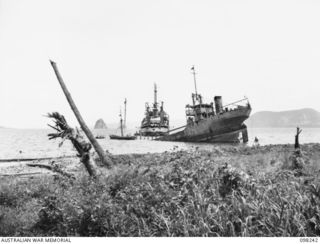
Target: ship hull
153, 131
115, 137
225, 127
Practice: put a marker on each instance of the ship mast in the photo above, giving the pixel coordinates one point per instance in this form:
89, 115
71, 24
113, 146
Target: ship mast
121, 126
155, 104
194, 79
155, 94
125, 113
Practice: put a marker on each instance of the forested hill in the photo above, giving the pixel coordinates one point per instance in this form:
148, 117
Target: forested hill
306, 117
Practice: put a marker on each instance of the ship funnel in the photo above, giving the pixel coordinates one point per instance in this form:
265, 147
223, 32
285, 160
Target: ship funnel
218, 104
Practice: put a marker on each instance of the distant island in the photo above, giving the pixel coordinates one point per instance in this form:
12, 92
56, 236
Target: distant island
100, 124
306, 117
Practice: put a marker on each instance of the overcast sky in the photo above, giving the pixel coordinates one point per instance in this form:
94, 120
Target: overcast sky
268, 51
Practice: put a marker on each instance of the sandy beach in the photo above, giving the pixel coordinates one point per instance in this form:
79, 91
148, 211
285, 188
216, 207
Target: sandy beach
231, 154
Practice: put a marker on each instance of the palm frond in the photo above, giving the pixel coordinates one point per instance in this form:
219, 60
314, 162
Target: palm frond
63, 130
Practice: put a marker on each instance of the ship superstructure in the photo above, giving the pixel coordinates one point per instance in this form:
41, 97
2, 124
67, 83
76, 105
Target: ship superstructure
156, 120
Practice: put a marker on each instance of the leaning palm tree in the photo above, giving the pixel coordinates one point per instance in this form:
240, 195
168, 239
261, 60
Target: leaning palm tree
65, 132
103, 156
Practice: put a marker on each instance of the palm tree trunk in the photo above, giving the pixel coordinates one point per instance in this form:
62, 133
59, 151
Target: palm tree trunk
296, 141
104, 158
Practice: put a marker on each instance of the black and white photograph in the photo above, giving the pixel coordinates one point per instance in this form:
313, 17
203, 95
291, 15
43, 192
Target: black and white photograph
149, 118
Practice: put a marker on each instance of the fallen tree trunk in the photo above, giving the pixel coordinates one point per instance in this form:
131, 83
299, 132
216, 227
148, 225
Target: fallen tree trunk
104, 158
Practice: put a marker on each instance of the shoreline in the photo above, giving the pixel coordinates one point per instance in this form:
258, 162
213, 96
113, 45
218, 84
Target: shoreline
218, 152
34, 144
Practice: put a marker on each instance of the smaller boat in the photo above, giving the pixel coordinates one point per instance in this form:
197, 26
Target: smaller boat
128, 137
122, 126
100, 137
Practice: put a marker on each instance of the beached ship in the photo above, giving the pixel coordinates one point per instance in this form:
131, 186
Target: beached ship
212, 122
156, 120
122, 127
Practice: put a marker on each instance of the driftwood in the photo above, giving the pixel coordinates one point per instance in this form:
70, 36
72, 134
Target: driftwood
53, 168
64, 131
31, 159
44, 166
103, 156
21, 174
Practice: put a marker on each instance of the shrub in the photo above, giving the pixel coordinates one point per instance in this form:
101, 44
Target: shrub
193, 193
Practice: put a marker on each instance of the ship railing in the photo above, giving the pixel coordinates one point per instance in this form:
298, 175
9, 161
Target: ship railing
236, 102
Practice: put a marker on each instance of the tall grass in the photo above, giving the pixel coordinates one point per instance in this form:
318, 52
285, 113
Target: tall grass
195, 193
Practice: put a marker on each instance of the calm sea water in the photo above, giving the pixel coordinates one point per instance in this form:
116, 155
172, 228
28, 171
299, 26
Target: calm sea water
24, 143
